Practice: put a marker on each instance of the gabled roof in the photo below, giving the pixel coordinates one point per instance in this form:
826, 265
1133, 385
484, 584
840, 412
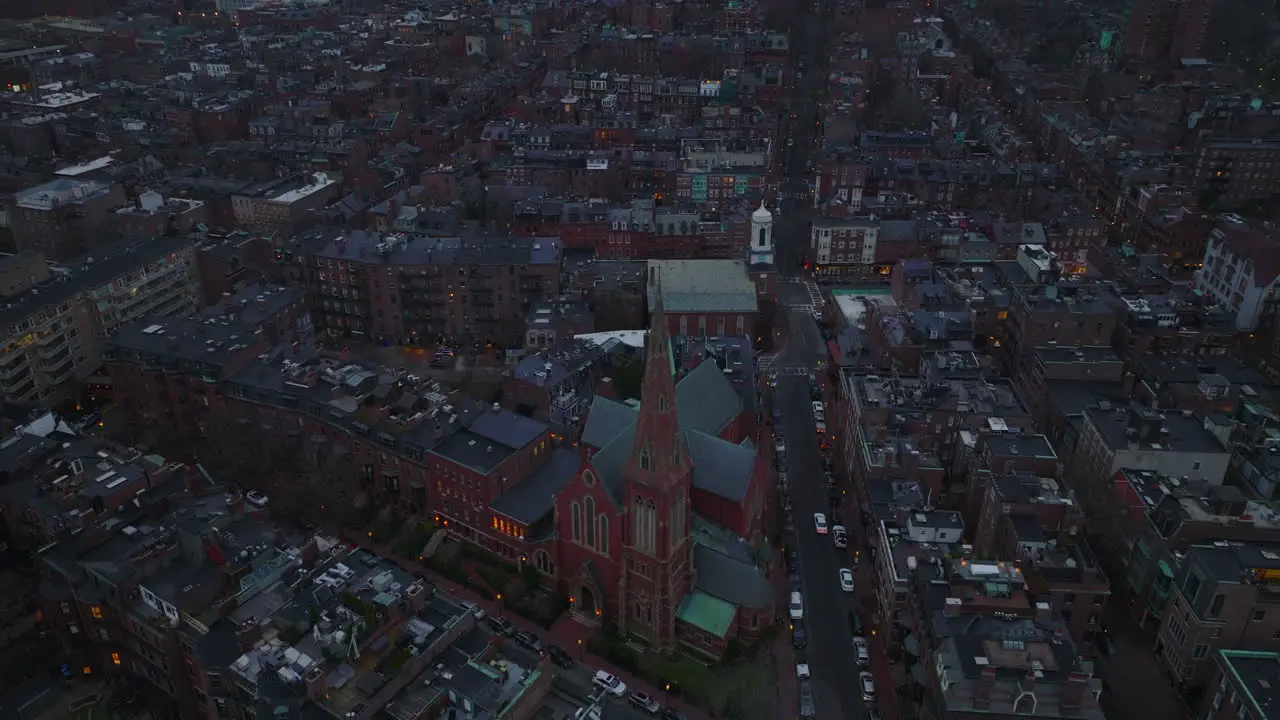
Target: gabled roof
706, 402
719, 467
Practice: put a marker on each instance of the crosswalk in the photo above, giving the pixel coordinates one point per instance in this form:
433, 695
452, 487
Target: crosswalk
815, 293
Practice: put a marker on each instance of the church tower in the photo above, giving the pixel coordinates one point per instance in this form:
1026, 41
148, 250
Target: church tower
761, 252
657, 552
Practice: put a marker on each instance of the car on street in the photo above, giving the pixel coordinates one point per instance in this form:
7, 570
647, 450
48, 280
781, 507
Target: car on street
821, 427
796, 607
860, 649
355, 710
793, 559
805, 696
818, 410
839, 537
609, 683
644, 702
669, 714
867, 683
502, 626
530, 641
474, 609
793, 579
820, 523
855, 625
559, 656
799, 639
779, 447
846, 579
802, 671
873, 714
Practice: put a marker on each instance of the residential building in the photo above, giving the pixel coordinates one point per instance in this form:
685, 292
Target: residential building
413, 289
1240, 271
1243, 683
1221, 599
63, 218
284, 206
54, 330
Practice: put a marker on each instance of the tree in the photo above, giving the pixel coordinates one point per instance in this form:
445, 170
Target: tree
629, 379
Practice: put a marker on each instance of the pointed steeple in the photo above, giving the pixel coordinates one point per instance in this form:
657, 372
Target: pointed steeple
658, 457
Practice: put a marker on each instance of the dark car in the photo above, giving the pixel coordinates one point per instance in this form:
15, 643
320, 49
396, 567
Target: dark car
559, 656
793, 558
644, 702
531, 641
501, 625
794, 579
807, 708
669, 714
798, 637
855, 624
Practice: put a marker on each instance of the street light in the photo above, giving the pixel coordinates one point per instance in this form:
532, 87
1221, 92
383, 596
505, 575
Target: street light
580, 650
666, 695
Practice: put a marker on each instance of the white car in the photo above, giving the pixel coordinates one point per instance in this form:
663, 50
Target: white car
820, 523
779, 447
818, 410
839, 536
868, 684
802, 671
256, 498
863, 653
609, 683
796, 607
846, 579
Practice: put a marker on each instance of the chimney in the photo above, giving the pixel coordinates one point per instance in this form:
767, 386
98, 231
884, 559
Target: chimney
952, 607
986, 683
1072, 694
1044, 611
606, 390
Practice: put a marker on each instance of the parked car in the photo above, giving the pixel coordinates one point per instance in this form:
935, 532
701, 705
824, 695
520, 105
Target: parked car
802, 671
796, 607
475, 609
867, 682
798, 638
839, 537
502, 626
644, 702
669, 714
855, 625
356, 710
531, 641
818, 410
609, 683
559, 656
860, 648
805, 695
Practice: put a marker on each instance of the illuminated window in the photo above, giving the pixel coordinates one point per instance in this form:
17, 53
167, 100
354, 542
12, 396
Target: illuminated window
87, 669
96, 612
115, 658
1002, 315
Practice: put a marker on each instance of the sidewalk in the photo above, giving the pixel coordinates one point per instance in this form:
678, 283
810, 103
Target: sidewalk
783, 652
565, 633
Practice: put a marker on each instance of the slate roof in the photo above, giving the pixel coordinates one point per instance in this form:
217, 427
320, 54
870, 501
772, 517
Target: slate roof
534, 496
706, 402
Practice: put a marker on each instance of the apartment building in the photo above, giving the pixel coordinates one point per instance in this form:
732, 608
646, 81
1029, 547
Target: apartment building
157, 572
989, 650
1237, 171
1242, 684
1115, 437
1153, 519
1240, 272
1223, 597
53, 331
62, 218
415, 289
906, 538
284, 206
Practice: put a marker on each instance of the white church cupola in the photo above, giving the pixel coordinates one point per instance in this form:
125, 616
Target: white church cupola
761, 236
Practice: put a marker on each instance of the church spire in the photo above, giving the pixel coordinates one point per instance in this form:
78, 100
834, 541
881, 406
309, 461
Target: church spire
658, 457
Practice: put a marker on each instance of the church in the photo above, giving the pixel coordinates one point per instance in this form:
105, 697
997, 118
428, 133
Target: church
662, 530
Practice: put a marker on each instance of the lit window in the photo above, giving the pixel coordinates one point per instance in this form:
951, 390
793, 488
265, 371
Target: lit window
115, 658
87, 669
96, 612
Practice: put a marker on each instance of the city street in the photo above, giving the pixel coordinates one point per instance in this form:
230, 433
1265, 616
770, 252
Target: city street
829, 654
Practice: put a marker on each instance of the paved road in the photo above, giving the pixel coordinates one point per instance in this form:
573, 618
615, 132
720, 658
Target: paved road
791, 232
829, 654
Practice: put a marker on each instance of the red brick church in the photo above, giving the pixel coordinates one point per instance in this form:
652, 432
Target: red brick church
662, 529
